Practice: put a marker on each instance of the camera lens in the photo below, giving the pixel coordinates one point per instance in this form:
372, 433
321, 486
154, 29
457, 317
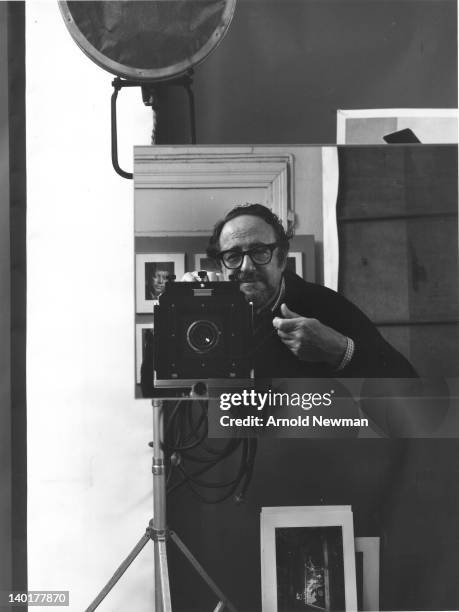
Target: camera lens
202, 336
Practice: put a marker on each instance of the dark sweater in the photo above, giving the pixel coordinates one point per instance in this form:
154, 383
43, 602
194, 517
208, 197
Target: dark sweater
373, 356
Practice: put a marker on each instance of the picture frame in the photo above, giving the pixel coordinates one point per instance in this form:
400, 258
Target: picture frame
295, 262
151, 271
141, 329
369, 548
307, 558
202, 262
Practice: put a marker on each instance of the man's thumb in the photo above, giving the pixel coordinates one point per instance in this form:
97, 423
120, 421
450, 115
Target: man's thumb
287, 313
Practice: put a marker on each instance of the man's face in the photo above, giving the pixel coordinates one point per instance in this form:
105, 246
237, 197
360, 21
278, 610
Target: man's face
159, 281
260, 283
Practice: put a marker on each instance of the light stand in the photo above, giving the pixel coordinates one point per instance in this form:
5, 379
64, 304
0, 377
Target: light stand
158, 532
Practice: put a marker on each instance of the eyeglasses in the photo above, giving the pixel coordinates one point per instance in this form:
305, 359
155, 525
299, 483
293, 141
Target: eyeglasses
260, 255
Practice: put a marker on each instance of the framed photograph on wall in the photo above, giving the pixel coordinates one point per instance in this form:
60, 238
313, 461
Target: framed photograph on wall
141, 337
202, 262
307, 559
151, 272
295, 263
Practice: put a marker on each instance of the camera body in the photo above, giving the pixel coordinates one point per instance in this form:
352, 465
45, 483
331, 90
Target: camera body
202, 330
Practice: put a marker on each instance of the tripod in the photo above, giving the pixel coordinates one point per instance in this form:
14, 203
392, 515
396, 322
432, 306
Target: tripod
158, 532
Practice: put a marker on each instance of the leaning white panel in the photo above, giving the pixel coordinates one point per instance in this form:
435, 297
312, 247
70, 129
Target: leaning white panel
368, 126
330, 179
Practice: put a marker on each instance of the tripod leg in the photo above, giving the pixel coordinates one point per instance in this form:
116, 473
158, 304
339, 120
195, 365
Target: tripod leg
162, 591
224, 601
158, 522
158, 585
119, 572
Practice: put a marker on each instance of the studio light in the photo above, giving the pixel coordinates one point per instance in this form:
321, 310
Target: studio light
150, 44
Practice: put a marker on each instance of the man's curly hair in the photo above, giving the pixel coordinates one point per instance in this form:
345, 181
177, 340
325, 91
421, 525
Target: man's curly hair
256, 210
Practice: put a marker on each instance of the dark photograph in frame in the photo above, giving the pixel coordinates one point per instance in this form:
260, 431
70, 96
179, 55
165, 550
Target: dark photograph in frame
310, 568
307, 558
152, 272
156, 275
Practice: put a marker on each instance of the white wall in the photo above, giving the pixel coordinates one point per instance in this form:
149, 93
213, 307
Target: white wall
89, 472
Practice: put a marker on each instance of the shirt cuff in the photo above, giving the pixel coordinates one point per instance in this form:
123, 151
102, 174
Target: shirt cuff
348, 354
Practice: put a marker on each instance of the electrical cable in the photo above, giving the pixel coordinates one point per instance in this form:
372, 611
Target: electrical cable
186, 442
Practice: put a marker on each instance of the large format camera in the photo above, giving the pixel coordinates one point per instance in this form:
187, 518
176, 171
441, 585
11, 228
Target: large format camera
202, 330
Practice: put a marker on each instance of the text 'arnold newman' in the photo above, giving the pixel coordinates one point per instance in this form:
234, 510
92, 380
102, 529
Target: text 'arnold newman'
300, 421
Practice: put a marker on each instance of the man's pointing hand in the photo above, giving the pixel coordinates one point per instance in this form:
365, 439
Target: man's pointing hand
309, 339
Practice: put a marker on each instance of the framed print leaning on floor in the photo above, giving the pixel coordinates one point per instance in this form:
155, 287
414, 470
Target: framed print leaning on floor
307, 558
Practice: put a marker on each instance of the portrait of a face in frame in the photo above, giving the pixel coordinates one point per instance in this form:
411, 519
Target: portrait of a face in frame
156, 274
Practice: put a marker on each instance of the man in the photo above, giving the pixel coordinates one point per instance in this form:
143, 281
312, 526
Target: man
301, 329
